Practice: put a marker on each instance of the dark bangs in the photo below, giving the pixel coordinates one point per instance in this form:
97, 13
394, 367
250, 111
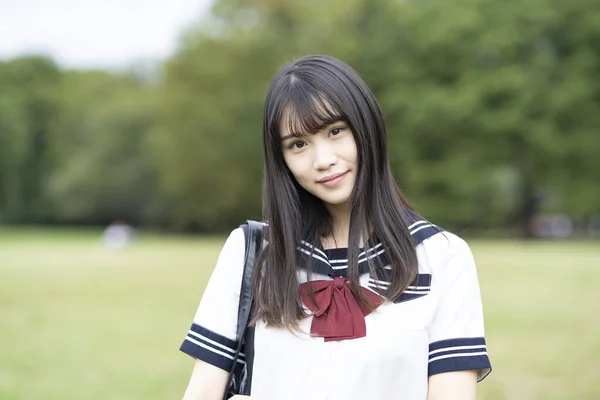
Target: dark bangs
307, 111
304, 103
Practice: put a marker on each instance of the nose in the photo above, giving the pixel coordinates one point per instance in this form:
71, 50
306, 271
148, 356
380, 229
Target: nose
325, 156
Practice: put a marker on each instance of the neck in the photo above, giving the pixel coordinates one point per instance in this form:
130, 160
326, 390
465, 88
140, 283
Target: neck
340, 229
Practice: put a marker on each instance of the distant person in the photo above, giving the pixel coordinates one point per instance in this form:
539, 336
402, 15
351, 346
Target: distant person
396, 311
118, 235
562, 226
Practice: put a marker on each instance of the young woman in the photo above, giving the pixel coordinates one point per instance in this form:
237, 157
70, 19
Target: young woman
356, 296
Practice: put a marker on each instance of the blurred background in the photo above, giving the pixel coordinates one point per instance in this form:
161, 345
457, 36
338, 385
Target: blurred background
130, 145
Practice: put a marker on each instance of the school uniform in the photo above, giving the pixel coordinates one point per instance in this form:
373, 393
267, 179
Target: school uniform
436, 326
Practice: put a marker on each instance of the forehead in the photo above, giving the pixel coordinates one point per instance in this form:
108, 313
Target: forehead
301, 119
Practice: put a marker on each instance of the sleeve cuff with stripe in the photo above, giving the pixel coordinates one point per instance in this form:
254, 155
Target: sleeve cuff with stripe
209, 346
459, 355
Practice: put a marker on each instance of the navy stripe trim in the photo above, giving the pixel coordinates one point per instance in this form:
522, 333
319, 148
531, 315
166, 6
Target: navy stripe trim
449, 343
207, 333
421, 285
460, 354
334, 262
422, 280
209, 346
469, 350
425, 233
408, 296
479, 363
419, 290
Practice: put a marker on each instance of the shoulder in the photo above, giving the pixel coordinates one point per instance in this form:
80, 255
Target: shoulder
235, 241
237, 236
446, 244
446, 253
436, 247
232, 253
433, 238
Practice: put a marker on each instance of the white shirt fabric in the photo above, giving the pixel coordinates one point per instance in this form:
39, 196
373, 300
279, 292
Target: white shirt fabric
436, 326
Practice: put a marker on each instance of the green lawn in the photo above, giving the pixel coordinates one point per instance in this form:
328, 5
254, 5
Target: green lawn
78, 321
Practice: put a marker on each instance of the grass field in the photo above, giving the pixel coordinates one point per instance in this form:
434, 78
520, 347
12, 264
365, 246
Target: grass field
78, 321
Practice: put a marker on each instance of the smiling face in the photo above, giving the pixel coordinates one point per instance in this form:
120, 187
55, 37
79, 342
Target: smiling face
323, 163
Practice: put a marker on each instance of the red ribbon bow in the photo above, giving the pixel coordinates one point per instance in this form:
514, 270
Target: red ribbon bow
337, 314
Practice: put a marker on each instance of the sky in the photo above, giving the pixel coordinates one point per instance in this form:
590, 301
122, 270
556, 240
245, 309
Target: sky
85, 34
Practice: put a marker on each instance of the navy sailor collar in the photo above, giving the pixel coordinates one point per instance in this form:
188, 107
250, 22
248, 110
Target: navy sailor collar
334, 262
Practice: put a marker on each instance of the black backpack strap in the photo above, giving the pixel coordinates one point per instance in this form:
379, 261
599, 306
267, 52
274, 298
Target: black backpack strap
239, 380
246, 386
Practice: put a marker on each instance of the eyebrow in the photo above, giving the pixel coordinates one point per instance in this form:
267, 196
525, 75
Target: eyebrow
286, 137
320, 127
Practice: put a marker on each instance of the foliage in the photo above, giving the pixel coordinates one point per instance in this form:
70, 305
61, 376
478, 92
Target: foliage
28, 107
104, 165
492, 111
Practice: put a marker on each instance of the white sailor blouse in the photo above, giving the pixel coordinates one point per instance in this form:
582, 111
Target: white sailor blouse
435, 326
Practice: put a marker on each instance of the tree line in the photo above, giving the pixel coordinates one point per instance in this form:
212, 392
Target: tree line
492, 110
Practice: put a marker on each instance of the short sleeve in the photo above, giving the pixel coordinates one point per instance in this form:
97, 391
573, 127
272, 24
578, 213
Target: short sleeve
212, 336
456, 339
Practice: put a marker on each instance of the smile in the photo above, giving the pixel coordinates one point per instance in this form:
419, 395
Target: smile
333, 180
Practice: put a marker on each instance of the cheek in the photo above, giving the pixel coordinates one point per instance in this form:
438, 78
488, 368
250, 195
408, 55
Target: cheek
295, 166
355, 153
351, 151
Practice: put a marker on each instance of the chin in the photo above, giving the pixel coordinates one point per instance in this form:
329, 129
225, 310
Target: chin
336, 201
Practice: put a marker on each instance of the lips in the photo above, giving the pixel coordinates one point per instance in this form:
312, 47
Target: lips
332, 177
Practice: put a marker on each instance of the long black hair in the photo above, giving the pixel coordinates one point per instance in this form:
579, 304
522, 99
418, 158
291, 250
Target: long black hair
311, 93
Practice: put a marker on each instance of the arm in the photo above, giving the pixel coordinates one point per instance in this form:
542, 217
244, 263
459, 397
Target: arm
457, 385
211, 340
206, 383
457, 349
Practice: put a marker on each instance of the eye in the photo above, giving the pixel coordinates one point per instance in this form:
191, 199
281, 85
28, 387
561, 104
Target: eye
335, 131
297, 145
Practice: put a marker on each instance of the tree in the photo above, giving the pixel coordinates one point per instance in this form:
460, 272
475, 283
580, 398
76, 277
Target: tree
28, 106
104, 168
